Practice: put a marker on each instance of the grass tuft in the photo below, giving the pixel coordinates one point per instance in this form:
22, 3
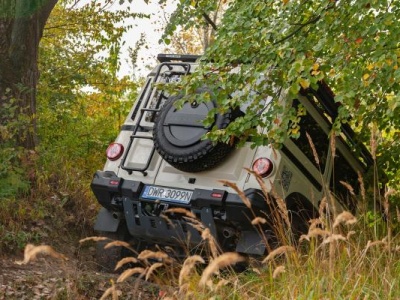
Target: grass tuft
31, 252
222, 261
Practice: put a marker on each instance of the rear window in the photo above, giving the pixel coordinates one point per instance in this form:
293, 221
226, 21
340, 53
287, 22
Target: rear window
319, 139
343, 172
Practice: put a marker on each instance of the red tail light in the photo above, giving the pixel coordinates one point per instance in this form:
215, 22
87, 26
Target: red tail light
114, 151
263, 166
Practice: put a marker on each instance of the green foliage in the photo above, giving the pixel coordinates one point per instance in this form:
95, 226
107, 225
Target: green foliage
81, 99
16, 240
351, 45
81, 103
14, 159
190, 14
20, 222
26, 8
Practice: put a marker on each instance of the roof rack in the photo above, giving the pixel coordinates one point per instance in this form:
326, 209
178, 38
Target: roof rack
177, 57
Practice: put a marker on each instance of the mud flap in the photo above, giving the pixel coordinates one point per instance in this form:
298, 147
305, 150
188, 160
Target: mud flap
250, 242
106, 222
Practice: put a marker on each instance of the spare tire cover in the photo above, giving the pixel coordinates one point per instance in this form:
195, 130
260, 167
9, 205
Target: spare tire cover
178, 135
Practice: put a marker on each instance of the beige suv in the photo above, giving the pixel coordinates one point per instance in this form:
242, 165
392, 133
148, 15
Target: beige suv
159, 161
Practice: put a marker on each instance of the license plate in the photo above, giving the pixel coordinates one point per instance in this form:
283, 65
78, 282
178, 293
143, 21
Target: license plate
167, 194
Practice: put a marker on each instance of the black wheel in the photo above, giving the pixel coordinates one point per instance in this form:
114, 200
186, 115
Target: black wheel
108, 258
301, 211
178, 135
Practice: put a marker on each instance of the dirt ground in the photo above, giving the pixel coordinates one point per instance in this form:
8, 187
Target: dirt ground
77, 278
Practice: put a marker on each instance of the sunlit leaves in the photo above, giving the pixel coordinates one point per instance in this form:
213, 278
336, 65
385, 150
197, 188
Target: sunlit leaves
191, 14
82, 99
352, 45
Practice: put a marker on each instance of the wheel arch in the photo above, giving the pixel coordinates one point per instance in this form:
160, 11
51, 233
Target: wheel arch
299, 200
301, 211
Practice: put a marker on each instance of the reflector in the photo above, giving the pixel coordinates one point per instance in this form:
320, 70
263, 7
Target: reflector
216, 195
263, 166
114, 151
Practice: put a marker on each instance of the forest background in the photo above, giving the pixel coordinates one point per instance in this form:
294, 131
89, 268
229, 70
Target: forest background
63, 98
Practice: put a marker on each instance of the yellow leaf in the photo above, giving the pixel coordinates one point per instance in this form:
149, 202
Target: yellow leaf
295, 130
304, 83
315, 67
370, 67
315, 72
285, 2
390, 96
365, 76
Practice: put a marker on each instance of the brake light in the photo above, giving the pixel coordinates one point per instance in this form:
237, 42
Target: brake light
114, 151
263, 166
217, 195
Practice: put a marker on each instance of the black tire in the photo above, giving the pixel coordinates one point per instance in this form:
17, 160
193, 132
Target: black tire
108, 258
301, 211
178, 135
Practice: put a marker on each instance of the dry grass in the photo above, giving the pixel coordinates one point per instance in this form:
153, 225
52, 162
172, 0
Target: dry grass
213, 245
182, 211
346, 218
340, 260
241, 194
277, 252
130, 272
94, 239
148, 254
126, 260
258, 220
111, 291
315, 153
315, 232
340, 257
222, 261
278, 270
31, 252
188, 266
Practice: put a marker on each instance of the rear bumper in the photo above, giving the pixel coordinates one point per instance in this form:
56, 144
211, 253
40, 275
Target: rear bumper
222, 215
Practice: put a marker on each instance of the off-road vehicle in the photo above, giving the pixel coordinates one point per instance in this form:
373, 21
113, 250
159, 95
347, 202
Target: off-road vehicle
160, 161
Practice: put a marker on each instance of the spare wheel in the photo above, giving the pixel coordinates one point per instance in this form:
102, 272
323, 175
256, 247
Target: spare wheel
178, 134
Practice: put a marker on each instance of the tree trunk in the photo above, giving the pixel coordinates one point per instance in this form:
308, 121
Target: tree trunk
21, 28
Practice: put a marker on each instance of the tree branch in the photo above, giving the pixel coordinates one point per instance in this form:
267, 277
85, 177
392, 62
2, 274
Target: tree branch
297, 30
209, 21
302, 25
